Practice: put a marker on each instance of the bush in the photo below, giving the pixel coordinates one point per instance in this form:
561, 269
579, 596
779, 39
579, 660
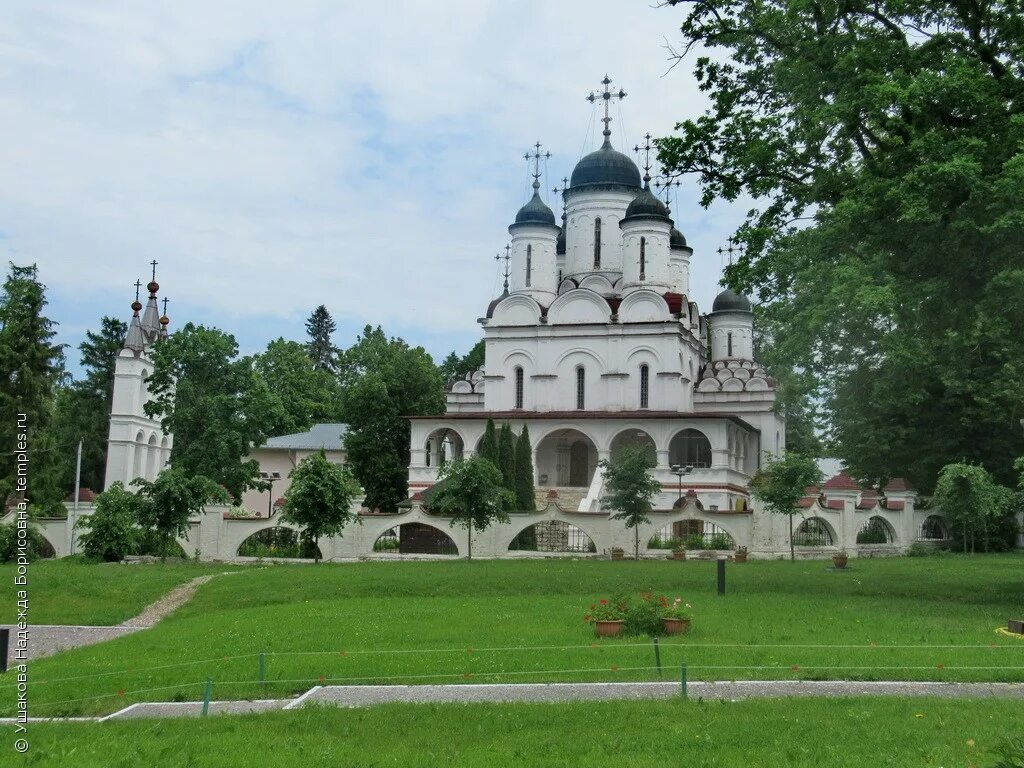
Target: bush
642, 617
695, 541
38, 546
385, 545
720, 541
111, 531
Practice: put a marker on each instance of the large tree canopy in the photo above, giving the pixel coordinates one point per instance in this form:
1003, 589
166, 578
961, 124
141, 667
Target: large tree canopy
384, 381
308, 394
882, 142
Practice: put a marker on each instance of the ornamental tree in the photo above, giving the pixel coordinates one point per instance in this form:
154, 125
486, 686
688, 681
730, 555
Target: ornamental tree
627, 476
526, 500
166, 504
472, 493
507, 459
111, 531
320, 498
780, 483
489, 443
971, 501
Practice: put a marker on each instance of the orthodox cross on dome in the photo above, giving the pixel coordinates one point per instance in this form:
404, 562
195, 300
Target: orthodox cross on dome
646, 149
536, 157
138, 285
506, 258
165, 305
607, 96
561, 191
734, 248
664, 185
153, 263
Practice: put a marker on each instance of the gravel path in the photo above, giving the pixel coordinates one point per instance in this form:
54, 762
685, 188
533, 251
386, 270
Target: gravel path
48, 639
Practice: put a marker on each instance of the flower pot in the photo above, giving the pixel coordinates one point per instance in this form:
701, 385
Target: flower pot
618, 554
676, 626
678, 554
740, 557
608, 628
840, 560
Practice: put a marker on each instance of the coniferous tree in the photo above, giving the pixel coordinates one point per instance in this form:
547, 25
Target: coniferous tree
507, 456
31, 367
524, 491
320, 326
489, 443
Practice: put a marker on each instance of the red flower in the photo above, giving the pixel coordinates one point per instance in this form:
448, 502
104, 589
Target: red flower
603, 601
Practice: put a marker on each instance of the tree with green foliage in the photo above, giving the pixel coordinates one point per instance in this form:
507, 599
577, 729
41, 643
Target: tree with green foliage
630, 488
308, 394
321, 326
31, 367
972, 503
320, 498
507, 456
526, 500
884, 143
454, 366
385, 381
489, 443
780, 483
166, 504
215, 403
112, 530
471, 492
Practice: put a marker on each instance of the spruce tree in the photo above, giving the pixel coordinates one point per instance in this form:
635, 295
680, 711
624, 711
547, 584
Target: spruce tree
322, 351
525, 497
507, 456
30, 369
489, 443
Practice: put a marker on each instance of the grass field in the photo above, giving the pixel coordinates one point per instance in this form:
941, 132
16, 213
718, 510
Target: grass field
492, 621
72, 591
801, 732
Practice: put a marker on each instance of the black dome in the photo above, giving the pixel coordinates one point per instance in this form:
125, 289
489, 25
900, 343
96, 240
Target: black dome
605, 166
676, 239
646, 204
535, 212
730, 300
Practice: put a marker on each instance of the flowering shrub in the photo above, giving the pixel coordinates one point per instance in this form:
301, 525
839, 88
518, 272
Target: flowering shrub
643, 616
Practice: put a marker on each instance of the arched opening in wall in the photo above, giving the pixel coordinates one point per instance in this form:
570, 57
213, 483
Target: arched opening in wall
143, 390
416, 539
729, 344
529, 263
442, 445
581, 388
40, 546
597, 243
692, 534
279, 542
566, 458
138, 461
643, 258
152, 458
519, 388
933, 529
876, 530
645, 386
813, 532
553, 536
634, 438
690, 448
165, 453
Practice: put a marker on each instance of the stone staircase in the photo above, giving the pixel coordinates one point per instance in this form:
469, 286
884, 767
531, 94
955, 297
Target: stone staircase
569, 499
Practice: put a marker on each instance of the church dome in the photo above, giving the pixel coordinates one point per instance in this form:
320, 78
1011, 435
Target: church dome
605, 166
676, 239
646, 204
535, 212
729, 300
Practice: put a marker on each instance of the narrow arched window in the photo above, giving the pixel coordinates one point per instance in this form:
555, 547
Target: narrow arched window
581, 389
729, 341
519, 387
529, 263
645, 386
597, 243
643, 256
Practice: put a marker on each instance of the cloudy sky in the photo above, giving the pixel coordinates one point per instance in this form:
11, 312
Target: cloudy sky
275, 156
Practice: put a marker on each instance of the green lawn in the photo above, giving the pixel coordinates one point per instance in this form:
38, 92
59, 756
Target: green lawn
801, 732
72, 591
491, 621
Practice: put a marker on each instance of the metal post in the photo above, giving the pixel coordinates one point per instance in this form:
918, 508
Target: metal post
78, 488
206, 696
5, 647
721, 577
682, 680
657, 655
263, 669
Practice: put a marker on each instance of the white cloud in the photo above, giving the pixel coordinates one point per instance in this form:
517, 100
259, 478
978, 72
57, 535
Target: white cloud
275, 156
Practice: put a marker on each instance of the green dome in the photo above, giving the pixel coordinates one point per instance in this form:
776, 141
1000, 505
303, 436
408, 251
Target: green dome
605, 166
728, 300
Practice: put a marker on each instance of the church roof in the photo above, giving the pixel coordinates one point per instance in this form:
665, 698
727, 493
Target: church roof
329, 436
646, 205
535, 211
729, 300
605, 166
676, 239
